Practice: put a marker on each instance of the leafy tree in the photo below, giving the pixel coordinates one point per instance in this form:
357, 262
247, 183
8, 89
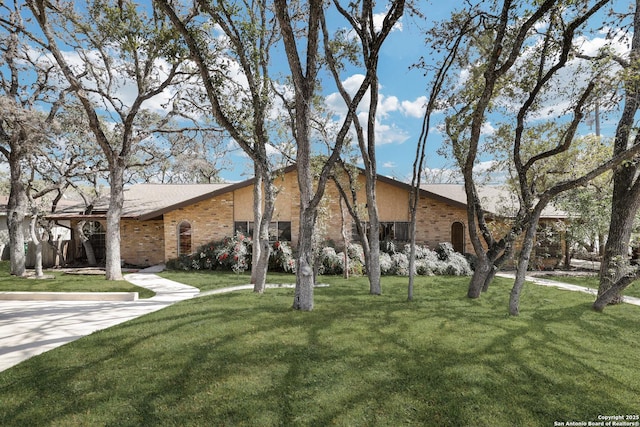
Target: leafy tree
29, 100
616, 273
303, 77
589, 206
125, 59
371, 37
241, 101
522, 59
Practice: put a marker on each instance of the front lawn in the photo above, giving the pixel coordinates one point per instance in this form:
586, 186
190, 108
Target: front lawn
243, 359
63, 282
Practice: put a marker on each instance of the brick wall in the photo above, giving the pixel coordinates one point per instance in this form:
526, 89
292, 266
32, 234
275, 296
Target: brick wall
210, 220
142, 242
434, 221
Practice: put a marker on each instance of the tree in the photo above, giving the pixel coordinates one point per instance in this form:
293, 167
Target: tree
27, 91
240, 103
615, 272
441, 75
371, 37
492, 42
522, 76
589, 206
303, 77
126, 60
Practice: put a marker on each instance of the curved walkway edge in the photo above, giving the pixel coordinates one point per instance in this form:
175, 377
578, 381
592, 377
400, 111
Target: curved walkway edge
566, 286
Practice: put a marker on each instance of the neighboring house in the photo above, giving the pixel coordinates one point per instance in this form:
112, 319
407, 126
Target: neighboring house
61, 233
162, 221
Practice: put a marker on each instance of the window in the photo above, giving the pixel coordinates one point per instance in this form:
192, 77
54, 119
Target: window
402, 231
244, 227
284, 231
396, 231
278, 230
96, 234
184, 238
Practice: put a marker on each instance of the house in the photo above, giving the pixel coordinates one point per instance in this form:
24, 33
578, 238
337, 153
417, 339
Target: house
162, 221
60, 233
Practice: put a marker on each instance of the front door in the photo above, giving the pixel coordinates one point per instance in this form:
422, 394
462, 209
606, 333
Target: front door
457, 236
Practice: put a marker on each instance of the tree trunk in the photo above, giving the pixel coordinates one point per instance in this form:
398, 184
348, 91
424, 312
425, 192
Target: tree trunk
615, 261
606, 297
86, 244
260, 269
257, 228
16, 212
37, 241
113, 267
626, 188
483, 270
345, 238
489, 277
303, 298
412, 255
373, 269
523, 263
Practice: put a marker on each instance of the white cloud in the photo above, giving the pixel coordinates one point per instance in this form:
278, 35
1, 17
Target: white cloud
378, 20
386, 133
414, 108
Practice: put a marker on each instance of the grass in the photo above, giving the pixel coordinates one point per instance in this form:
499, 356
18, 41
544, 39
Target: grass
208, 280
63, 282
243, 359
592, 281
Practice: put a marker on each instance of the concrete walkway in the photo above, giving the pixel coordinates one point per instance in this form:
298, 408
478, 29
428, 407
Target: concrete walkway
565, 286
28, 328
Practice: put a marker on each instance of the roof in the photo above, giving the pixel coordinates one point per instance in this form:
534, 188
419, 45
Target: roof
498, 200
149, 201
61, 205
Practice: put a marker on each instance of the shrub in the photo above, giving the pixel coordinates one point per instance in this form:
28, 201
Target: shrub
400, 264
444, 251
329, 262
388, 247
385, 263
355, 253
234, 253
281, 258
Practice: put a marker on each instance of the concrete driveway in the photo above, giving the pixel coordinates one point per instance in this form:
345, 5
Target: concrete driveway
28, 328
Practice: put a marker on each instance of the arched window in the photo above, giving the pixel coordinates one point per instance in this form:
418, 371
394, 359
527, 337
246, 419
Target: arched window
457, 236
184, 238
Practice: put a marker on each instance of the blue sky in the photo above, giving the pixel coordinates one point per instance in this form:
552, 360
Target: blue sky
403, 91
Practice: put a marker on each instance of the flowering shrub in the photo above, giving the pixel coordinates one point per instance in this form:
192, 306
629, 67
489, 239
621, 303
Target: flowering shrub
386, 264
234, 253
281, 258
444, 251
355, 252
